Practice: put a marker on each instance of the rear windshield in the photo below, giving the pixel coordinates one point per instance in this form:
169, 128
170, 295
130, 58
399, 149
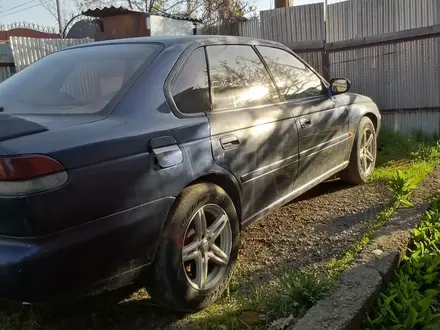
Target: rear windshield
80, 80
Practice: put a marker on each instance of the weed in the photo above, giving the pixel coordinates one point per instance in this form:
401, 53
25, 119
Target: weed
304, 288
274, 305
407, 301
297, 291
402, 185
428, 153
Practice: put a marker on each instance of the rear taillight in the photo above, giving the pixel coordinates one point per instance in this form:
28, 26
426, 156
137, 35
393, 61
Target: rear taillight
30, 174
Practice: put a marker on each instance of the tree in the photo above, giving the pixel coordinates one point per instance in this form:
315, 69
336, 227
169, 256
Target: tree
68, 14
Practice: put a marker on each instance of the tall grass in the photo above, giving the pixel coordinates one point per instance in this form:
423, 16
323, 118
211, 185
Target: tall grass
415, 154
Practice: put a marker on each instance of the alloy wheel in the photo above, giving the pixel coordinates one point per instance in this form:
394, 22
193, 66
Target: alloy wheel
366, 153
207, 247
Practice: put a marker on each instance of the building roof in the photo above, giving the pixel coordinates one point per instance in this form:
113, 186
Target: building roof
115, 11
108, 11
180, 17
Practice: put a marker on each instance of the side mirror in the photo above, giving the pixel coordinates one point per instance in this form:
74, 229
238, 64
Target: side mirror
339, 85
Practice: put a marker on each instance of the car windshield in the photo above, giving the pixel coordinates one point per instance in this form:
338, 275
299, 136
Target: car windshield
75, 81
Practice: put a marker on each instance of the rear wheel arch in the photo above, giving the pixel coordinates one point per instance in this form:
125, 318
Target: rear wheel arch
228, 184
168, 279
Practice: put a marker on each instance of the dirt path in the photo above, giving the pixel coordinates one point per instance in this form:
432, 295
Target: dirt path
313, 229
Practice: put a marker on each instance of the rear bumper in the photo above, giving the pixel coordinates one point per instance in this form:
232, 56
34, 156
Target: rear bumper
73, 260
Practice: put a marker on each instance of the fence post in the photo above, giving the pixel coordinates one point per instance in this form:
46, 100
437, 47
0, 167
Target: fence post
325, 64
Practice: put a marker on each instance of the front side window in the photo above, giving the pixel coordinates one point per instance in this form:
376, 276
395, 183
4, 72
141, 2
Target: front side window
190, 88
74, 81
238, 78
293, 78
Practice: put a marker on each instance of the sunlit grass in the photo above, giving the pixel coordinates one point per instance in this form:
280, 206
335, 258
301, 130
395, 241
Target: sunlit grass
415, 155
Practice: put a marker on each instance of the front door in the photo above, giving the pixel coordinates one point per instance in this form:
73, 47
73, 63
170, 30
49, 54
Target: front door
322, 124
323, 135
254, 135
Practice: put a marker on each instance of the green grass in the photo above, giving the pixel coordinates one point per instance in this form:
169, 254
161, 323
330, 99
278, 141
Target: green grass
403, 163
408, 302
271, 306
416, 155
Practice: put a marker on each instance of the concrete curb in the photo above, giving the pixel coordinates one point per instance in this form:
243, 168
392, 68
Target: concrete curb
360, 286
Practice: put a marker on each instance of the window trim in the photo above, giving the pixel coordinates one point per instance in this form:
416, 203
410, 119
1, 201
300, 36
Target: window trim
111, 107
280, 97
324, 82
253, 47
253, 44
176, 70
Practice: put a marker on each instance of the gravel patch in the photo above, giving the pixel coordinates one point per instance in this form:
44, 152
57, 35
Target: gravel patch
311, 230
427, 188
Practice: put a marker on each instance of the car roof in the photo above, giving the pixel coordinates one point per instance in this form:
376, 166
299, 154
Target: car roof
186, 39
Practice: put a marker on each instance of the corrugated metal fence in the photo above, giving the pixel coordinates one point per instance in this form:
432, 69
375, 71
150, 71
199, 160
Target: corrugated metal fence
408, 121
346, 20
360, 18
293, 24
250, 28
28, 50
401, 76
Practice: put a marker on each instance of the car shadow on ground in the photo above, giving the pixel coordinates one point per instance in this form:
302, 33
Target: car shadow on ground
327, 187
113, 310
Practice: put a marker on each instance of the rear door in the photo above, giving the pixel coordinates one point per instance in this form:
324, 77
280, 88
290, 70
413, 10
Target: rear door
322, 124
253, 134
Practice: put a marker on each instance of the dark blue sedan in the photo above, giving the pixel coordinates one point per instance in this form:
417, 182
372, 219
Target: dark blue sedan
142, 159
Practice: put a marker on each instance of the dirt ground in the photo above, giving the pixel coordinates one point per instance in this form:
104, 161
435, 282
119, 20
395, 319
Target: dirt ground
310, 230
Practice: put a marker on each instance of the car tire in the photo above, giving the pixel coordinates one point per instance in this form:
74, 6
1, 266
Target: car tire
363, 154
179, 282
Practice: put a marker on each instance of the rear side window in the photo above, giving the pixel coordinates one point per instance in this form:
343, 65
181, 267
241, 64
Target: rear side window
293, 78
190, 88
75, 81
238, 78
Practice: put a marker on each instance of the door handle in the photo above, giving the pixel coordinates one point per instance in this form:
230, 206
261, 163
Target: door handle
166, 151
229, 142
305, 122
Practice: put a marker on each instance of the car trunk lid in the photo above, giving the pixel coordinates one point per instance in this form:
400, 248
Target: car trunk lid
19, 125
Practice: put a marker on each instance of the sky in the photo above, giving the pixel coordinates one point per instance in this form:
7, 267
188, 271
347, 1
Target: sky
34, 12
